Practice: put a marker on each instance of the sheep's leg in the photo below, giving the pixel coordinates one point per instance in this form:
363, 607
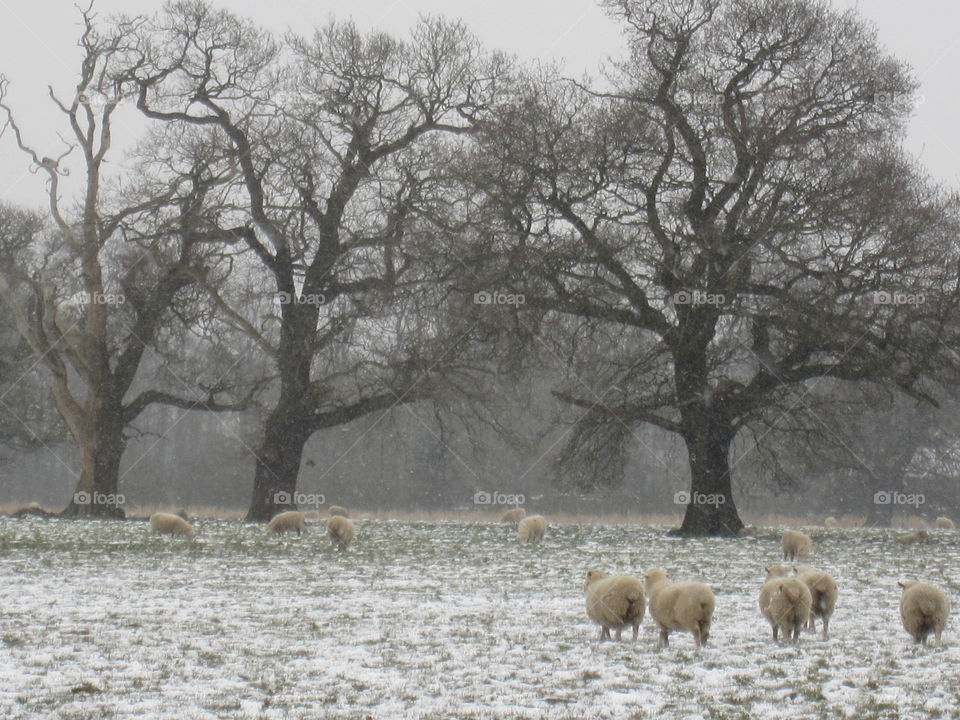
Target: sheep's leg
664, 640
776, 629
636, 631
825, 622
619, 633
604, 633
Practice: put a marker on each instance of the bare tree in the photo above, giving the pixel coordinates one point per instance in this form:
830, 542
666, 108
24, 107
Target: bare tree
336, 144
91, 288
732, 220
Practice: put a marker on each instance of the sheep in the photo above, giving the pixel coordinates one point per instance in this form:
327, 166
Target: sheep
614, 602
823, 592
167, 524
531, 529
679, 606
924, 609
795, 545
831, 522
944, 523
336, 510
341, 531
915, 537
513, 515
312, 516
289, 521
785, 603
746, 531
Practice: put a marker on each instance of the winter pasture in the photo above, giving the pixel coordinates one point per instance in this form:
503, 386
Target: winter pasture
100, 619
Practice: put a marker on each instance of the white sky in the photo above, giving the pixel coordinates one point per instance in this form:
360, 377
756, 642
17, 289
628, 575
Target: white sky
37, 47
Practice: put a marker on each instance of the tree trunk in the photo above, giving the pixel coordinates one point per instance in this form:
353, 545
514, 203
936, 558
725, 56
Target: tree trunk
711, 510
278, 464
101, 449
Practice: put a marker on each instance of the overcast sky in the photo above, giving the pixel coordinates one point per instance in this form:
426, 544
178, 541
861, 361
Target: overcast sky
37, 47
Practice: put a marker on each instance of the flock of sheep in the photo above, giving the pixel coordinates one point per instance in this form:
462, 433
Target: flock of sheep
340, 527
788, 602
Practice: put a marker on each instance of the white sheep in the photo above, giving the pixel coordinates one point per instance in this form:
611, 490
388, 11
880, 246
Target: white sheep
167, 524
823, 592
914, 537
341, 530
532, 529
795, 545
290, 521
614, 602
944, 523
679, 606
785, 603
924, 609
831, 522
335, 510
513, 515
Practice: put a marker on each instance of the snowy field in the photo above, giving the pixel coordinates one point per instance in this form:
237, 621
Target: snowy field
441, 620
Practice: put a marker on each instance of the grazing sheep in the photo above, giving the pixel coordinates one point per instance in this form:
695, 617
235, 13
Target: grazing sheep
795, 545
513, 515
341, 531
679, 606
312, 516
614, 602
532, 529
918, 536
785, 603
746, 531
336, 510
831, 522
945, 523
823, 592
167, 524
289, 521
924, 609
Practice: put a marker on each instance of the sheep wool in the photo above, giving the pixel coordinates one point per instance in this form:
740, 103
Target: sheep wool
336, 510
795, 545
167, 524
915, 537
679, 606
830, 522
513, 515
823, 593
944, 523
290, 521
614, 602
341, 530
785, 603
532, 529
924, 609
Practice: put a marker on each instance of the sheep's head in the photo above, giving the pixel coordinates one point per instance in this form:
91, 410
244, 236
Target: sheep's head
592, 576
776, 571
652, 578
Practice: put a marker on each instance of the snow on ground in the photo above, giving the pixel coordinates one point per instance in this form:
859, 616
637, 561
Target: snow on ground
441, 620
